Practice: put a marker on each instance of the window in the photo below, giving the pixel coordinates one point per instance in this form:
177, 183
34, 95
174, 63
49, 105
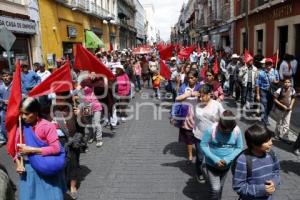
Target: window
242, 6
259, 36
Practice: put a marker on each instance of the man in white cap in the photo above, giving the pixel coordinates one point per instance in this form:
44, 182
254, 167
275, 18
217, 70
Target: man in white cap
231, 67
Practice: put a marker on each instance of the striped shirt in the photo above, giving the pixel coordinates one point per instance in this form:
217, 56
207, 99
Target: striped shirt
263, 169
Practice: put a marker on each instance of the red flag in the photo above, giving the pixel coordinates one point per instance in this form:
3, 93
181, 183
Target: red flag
216, 67
58, 81
160, 46
166, 52
111, 48
247, 56
85, 60
186, 52
12, 113
164, 70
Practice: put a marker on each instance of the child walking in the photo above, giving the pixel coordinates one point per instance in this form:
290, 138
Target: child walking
284, 99
93, 108
156, 83
256, 169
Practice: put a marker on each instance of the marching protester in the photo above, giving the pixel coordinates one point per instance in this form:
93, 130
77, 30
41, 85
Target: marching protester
42, 72
231, 67
138, 74
288, 68
187, 95
70, 135
217, 91
220, 144
256, 169
29, 78
41, 142
266, 79
208, 111
284, 99
123, 91
247, 75
156, 80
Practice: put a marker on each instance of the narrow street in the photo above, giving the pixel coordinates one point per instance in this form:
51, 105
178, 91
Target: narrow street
144, 161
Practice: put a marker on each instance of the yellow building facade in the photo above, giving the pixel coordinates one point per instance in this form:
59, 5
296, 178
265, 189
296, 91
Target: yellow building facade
62, 28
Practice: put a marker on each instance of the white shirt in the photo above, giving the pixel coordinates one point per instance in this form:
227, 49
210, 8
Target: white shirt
206, 116
43, 75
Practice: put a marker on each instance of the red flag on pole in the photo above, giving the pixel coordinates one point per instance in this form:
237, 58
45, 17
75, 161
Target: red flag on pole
216, 67
166, 52
58, 81
85, 60
164, 70
111, 48
186, 52
247, 56
12, 113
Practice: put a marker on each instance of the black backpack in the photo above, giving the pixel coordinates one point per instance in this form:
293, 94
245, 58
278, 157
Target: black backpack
249, 157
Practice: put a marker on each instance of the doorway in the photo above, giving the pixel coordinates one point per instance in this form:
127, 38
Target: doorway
283, 40
297, 54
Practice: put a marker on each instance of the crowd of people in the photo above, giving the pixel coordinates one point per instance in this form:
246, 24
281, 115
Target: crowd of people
67, 123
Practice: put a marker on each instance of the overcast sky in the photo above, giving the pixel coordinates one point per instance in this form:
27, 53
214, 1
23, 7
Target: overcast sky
166, 14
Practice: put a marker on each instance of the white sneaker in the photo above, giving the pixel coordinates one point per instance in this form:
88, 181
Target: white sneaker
123, 119
99, 143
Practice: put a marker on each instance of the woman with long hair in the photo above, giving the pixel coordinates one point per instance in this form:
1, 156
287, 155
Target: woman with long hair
217, 91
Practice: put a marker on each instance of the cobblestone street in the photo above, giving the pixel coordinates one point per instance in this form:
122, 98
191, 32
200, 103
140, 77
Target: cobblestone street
144, 161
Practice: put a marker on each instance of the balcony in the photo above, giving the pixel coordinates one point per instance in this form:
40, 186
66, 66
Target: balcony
63, 1
91, 7
21, 2
79, 4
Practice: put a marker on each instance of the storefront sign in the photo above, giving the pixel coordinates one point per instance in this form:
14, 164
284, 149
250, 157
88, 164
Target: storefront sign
17, 25
277, 13
283, 11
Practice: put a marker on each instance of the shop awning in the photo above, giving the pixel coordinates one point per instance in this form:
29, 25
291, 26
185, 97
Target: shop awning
92, 41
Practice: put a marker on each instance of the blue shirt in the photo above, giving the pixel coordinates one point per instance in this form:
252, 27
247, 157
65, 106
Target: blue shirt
30, 80
222, 147
265, 78
263, 169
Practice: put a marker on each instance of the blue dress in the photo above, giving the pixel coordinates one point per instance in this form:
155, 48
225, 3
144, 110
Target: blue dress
33, 186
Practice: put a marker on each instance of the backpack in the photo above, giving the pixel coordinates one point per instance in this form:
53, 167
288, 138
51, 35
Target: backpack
248, 156
178, 113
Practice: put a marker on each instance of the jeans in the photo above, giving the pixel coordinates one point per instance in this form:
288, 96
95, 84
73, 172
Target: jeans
266, 99
216, 180
157, 92
138, 82
231, 84
2, 126
174, 92
199, 158
94, 130
247, 94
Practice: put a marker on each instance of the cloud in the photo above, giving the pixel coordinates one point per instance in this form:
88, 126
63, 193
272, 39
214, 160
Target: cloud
166, 15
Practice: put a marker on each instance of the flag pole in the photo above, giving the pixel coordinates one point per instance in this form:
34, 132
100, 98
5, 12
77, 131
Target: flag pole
277, 58
21, 140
